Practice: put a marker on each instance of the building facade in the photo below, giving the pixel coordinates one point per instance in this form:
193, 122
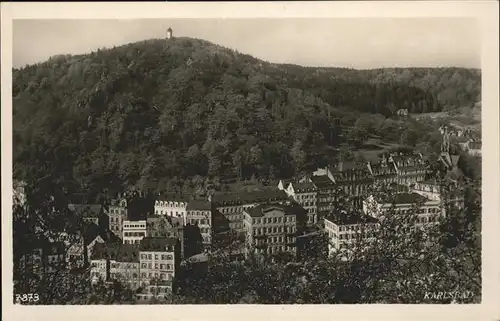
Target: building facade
232, 205
172, 205
272, 229
134, 231
415, 210
346, 231
159, 262
306, 195
117, 213
199, 212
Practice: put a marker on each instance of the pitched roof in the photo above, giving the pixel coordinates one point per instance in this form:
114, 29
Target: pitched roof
157, 243
86, 210
343, 218
116, 251
346, 166
92, 231
322, 181
198, 205
288, 209
303, 187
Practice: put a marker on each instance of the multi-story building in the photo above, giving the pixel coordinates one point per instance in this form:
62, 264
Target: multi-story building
384, 173
415, 209
159, 262
43, 258
173, 205
326, 188
232, 205
353, 178
409, 168
306, 195
273, 228
81, 246
199, 212
134, 231
117, 213
166, 226
347, 231
116, 262
429, 189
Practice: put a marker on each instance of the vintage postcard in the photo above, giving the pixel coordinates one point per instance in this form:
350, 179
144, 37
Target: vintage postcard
250, 160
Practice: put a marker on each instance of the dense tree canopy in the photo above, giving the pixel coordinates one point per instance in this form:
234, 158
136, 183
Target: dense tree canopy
145, 113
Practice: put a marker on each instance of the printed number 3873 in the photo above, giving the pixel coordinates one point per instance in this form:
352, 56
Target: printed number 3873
27, 297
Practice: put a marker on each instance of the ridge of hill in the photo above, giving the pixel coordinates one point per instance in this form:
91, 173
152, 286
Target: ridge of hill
142, 113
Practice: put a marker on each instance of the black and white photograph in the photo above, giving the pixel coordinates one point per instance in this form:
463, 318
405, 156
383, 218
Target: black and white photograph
248, 161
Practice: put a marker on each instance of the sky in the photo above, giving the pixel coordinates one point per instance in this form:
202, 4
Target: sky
361, 43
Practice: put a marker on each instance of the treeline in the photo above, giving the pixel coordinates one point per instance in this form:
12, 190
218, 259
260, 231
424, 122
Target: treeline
144, 113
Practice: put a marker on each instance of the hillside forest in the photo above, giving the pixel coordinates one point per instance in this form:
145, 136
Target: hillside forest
168, 115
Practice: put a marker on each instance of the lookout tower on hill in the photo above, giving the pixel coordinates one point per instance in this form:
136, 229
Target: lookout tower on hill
169, 33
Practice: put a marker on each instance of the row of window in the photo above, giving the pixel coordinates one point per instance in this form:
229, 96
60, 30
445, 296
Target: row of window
163, 257
156, 266
194, 221
233, 210
117, 211
275, 249
273, 230
137, 226
134, 234
136, 242
162, 212
273, 220
274, 239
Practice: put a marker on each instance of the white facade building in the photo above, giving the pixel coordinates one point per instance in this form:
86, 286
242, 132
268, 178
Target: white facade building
134, 231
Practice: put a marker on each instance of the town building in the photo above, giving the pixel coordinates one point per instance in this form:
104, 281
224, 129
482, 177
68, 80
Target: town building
232, 205
305, 194
272, 229
409, 168
347, 231
353, 178
117, 213
81, 246
166, 227
384, 173
326, 190
173, 205
159, 262
116, 262
134, 231
415, 210
91, 213
430, 189
199, 212
43, 258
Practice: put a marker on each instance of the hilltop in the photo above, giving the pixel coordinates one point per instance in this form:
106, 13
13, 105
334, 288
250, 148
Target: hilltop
143, 113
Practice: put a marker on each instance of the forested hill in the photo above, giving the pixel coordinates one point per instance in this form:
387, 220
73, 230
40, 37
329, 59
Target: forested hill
142, 113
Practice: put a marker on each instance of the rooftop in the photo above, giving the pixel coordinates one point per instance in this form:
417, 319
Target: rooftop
343, 218
116, 251
157, 243
262, 209
199, 205
322, 181
306, 186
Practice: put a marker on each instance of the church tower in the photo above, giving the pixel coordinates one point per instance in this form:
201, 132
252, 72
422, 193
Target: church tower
169, 33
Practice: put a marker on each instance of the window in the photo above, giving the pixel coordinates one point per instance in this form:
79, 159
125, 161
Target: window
149, 257
156, 256
156, 266
150, 265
